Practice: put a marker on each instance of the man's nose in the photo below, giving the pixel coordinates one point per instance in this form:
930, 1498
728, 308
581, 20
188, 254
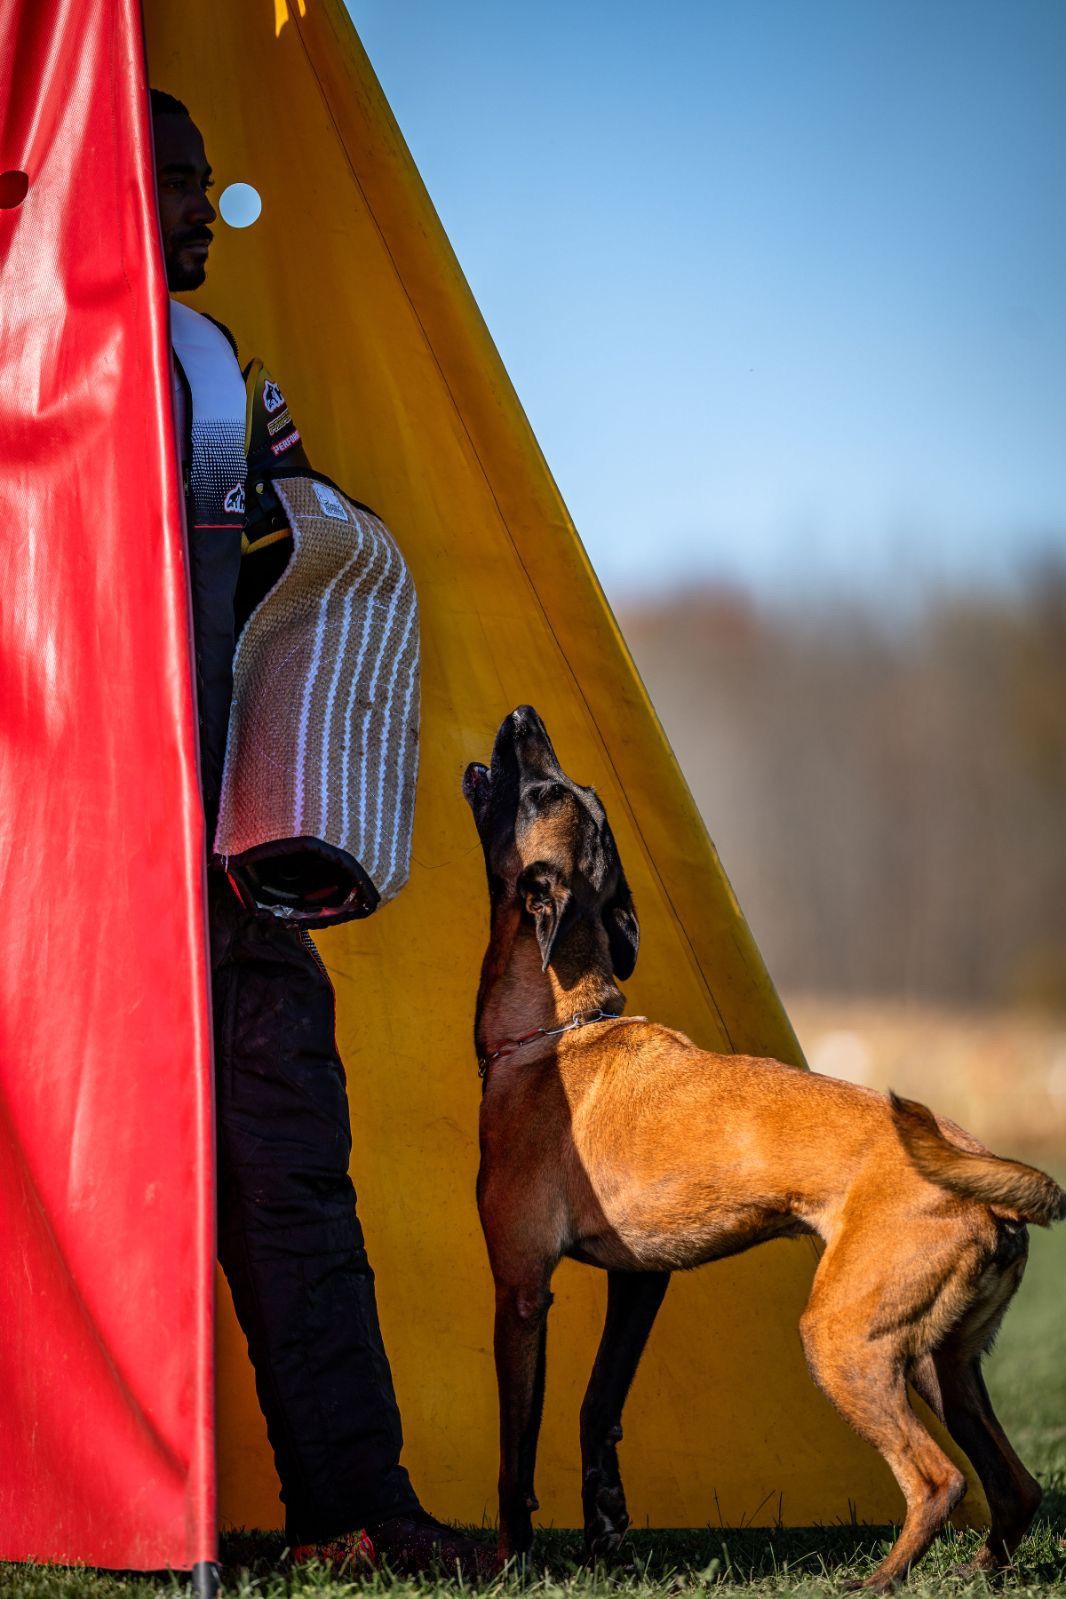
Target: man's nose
201, 209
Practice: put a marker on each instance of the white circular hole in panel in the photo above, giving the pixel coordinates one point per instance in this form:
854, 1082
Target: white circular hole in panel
240, 205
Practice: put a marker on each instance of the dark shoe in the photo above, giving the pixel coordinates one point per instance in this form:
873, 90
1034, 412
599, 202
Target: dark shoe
412, 1544
350, 1554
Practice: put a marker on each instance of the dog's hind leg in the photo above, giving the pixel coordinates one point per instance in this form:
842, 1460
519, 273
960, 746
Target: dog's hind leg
925, 1382
1013, 1495
863, 1371
520, 1339
633, 1300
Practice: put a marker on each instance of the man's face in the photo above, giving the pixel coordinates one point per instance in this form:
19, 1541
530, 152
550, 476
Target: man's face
183, 178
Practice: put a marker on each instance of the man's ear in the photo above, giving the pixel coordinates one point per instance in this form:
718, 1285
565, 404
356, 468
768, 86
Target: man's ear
545, 896
623, 930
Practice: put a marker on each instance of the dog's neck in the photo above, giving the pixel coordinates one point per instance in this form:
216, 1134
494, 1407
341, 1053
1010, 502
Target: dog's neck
516, 995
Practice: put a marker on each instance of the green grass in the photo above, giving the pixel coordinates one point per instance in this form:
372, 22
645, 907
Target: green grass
1026, 1376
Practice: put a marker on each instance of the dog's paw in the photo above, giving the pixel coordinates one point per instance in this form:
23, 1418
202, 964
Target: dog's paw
606, 1520
984, 1564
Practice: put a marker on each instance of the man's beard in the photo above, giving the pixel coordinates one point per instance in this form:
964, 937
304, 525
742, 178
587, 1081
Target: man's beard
186, 274
181, 278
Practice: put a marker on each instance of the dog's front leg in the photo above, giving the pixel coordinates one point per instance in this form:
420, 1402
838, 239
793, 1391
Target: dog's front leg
521, 1329
633, 1300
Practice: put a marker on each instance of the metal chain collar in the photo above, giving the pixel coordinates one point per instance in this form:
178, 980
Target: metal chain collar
582, 1019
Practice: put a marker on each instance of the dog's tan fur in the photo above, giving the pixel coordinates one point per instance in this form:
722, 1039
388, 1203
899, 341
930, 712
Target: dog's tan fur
624, 1145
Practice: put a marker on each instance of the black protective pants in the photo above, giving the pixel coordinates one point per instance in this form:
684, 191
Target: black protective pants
289, 1239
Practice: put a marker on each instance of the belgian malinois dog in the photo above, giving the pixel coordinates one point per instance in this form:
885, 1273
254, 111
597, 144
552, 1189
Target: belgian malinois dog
620, 1143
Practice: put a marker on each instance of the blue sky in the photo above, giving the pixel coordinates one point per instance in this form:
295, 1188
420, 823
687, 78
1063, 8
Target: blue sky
780, 283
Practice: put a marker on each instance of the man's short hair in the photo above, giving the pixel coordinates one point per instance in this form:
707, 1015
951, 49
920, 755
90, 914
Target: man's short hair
167, 105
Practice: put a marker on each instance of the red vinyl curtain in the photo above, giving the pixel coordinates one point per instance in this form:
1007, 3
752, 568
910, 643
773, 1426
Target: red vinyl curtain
106, 1182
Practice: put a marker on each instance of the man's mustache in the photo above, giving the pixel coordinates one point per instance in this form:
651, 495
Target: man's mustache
191, 236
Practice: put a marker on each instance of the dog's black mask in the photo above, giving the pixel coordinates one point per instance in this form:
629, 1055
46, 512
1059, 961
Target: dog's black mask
547, 841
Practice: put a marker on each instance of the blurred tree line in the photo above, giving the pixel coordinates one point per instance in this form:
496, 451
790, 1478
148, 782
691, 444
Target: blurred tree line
889, 799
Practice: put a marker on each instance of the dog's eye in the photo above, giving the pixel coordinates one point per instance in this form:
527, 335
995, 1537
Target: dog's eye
544, 794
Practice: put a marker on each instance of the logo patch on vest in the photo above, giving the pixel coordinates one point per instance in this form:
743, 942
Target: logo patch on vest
273, 398
234, 500
330, 501
286, 443
279, 422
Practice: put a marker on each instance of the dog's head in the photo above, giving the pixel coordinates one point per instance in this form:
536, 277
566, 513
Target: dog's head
548, 845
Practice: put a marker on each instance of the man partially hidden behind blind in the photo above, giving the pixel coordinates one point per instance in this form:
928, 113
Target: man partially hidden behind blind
290, 1242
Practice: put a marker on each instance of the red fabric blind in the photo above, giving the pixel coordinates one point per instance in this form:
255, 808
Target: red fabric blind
106, 1196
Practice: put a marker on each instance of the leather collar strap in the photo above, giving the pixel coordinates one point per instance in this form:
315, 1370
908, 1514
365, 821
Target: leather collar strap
582, 1019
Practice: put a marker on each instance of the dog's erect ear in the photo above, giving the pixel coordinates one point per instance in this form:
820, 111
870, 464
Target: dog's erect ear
623, 930
545, 896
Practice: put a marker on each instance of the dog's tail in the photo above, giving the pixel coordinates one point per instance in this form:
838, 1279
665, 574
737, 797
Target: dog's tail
1006, 1185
